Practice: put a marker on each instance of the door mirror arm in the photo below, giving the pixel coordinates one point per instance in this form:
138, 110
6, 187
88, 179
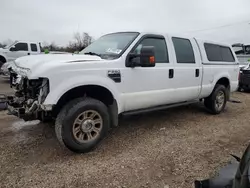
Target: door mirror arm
12, 49
131, 60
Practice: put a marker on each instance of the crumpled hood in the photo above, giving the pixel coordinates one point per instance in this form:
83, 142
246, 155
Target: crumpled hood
31, 62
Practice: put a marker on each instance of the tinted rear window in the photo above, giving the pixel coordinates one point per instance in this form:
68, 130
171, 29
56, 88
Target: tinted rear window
213, 52
218, 53
227, 54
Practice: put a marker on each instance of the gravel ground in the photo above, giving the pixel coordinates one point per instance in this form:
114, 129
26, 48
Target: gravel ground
171, 147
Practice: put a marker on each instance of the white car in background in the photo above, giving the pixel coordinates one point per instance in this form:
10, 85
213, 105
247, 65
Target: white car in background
18, 49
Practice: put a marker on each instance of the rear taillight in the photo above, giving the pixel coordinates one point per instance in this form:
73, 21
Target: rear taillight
239, 75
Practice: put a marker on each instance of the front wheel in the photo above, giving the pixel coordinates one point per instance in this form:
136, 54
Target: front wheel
82, 124
216, 102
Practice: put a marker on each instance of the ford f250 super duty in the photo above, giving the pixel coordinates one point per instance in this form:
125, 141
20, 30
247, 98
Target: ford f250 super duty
120, 74
18, 49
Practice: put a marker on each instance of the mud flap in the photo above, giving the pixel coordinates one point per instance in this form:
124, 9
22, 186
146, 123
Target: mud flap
113, 111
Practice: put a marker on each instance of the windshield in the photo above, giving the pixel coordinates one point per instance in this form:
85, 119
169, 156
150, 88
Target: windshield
9, 45
110, 46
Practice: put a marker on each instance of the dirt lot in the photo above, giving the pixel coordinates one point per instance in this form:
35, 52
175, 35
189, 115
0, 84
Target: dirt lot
172, 147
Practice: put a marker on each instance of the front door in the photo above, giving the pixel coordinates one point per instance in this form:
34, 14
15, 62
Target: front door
144, 87
18, 50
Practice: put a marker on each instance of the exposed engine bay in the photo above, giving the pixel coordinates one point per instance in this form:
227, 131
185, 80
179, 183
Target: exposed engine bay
29, 95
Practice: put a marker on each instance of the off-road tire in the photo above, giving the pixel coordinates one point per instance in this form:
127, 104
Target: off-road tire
210, 102
65, 120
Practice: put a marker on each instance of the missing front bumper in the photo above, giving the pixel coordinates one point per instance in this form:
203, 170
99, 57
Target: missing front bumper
14, 108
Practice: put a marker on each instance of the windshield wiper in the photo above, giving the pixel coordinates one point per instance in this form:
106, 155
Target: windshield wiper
92, 53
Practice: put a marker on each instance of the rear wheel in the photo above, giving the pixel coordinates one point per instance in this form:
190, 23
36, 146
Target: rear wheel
216, 102
82, 124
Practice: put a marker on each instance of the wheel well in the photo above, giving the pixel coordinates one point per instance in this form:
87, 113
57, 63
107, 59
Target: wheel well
93, 91
2, 59
224, 81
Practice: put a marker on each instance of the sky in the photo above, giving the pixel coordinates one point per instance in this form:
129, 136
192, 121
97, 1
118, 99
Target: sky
57, 20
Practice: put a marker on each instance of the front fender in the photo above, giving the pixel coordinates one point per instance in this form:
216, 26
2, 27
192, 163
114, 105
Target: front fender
58, 89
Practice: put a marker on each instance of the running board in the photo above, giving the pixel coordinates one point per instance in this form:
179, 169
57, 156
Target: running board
158, 108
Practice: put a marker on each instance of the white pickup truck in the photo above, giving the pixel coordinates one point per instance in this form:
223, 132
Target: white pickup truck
120, 74
18, 49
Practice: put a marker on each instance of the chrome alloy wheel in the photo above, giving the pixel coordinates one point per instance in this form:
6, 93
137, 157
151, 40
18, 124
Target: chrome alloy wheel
220, 100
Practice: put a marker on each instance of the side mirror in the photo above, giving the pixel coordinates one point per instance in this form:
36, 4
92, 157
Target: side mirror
12, 49
145, 59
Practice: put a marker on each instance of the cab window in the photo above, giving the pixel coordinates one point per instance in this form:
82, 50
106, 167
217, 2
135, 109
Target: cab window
33, 47
21, 46
183, 50
161, 51
218, 53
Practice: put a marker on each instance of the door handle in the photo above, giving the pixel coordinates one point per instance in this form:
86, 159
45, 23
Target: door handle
197, 72
28, 53
171, 73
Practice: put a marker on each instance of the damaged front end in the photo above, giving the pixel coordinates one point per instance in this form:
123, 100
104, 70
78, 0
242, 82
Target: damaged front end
28, 97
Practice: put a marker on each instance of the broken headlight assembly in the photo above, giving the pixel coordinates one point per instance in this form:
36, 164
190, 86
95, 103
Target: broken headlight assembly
44, 90
35, 90
29, 96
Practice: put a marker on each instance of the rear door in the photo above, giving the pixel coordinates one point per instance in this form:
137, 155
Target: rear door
33, 49
188, 69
